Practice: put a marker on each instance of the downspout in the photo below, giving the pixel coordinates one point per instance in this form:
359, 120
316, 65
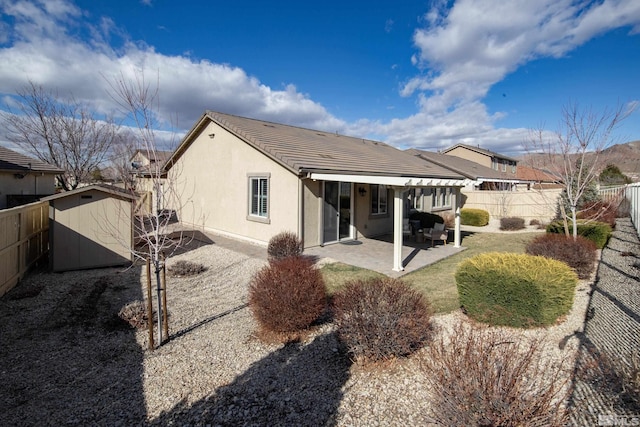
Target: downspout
301, 211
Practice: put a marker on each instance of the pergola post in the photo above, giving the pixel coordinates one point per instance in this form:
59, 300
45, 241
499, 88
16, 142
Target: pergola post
456, 234
398, 207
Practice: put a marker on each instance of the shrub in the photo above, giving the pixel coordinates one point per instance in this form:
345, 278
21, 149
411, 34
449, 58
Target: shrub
579, 254
597, 232
474, 217
535, 222
283, 245
449, 220
511, 223
481, 377
135, 313
600, 211
427, 219
185, 268
287, 295
519, 290
381, 318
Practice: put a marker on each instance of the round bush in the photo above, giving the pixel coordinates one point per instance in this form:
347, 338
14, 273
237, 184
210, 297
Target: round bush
519, 290
381, 318
597, 232
287, 295
283, 245
474, 217
511, 223
579, 254
184, 268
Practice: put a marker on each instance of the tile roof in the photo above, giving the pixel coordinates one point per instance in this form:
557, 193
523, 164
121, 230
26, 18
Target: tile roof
462, 166
13, 161
109, 189
527, 173
481, 151
305, 150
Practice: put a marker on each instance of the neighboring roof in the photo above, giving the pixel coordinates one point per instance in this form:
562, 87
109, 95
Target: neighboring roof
527, 173
462, 166
109, 189
13, 161
306, 152
481, 151
154, 156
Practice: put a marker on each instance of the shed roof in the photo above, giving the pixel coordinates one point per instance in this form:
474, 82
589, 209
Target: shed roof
13, 161
109, 189
307, 151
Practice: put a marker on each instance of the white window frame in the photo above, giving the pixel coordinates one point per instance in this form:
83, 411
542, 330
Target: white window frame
259, 207
381, 206
441, 197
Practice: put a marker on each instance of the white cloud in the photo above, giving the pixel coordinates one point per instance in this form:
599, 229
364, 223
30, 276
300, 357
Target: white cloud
44, 52
463, 49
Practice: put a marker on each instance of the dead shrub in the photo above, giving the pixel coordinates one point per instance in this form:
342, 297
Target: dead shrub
511, 224
600, 211
287, 295
579, 253
482, 377
135, 313
381, 318
185, 268
283, 245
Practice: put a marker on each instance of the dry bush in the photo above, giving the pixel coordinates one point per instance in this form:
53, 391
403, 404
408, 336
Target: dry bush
381, 318
535, 222
579, 254
449, 220
511, 223
135, 313
287, 295
185, 268
283, 245
600, 211
482, 377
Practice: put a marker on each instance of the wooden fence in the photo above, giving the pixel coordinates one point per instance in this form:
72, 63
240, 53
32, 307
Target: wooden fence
24, 239
527, 204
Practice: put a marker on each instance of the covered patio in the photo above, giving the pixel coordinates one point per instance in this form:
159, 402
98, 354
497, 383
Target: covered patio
374, 254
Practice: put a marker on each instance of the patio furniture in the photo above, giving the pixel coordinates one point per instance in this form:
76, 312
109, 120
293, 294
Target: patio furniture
406, 228
438, 232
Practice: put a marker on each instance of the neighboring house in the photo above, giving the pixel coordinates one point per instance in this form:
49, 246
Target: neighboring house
90, 227
480, 177
252, 179
487, 158
148, 178
537, 178
23, 179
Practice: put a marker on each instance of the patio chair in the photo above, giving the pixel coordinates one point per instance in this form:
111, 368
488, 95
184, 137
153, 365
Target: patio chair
406, 228
438, 232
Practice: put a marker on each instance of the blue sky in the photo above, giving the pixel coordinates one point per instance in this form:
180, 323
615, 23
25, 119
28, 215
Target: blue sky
424, 74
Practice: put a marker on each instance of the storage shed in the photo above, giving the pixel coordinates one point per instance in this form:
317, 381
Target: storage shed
90, 227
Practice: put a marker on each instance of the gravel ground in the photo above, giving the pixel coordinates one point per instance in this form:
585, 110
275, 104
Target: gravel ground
66, 359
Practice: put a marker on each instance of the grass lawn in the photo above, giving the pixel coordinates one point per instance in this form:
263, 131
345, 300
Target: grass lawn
437, 280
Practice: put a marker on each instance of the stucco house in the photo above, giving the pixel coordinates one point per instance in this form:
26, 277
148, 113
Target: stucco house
251, 179
23, 179
496, 161
480, 176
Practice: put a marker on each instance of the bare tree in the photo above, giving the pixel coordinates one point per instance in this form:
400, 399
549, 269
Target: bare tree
574, 153
140, 101
60, 131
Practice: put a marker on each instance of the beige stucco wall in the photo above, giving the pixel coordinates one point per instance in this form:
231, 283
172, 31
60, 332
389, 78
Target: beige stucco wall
471, 155
211, 180
368, 225
312, 211
32, 183
90, 232
532, 204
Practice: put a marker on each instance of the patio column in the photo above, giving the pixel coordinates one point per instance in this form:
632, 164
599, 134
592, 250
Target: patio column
456, 233
398, 205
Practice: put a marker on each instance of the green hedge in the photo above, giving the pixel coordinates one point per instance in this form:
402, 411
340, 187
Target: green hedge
475, 217
518, 290
597, 232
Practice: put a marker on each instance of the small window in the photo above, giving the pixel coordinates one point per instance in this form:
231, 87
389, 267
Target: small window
504, 166
259, 197
441, 197
378, 199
